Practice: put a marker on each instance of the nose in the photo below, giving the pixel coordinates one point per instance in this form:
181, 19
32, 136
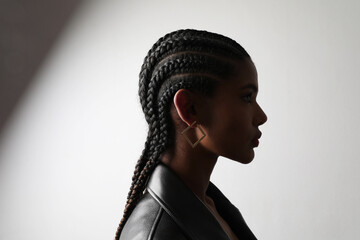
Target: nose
261, 117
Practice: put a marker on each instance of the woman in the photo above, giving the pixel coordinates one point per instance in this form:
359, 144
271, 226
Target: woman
198, 92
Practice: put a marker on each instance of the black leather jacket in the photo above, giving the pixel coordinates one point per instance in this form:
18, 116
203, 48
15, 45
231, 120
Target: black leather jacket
169, 210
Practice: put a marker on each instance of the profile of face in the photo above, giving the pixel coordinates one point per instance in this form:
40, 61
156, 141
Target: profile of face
232, 116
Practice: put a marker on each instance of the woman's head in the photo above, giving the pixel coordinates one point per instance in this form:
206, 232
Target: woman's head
232, 116
209, 69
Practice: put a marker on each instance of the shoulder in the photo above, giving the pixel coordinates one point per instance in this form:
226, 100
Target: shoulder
149, 221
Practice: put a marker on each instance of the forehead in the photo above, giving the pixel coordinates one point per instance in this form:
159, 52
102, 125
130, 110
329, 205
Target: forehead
244, 77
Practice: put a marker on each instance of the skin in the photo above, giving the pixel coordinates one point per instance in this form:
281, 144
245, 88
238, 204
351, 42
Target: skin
230, 120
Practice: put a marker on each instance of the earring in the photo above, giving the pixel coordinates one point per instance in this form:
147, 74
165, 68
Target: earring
193, 145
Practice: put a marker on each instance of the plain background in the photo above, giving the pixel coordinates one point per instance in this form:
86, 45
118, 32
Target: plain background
68, 152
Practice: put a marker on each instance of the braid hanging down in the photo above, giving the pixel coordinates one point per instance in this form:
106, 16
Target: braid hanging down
184, 59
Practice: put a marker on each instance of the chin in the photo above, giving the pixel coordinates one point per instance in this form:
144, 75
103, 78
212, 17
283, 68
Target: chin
244, 159
247, 162
242, 156
247, 159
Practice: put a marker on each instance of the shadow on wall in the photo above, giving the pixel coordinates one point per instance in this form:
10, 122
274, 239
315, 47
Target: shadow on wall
28, 30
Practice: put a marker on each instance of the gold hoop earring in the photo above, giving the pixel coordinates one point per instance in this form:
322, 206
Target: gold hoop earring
193, 145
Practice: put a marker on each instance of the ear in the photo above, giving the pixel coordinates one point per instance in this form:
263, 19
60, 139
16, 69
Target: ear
184, 102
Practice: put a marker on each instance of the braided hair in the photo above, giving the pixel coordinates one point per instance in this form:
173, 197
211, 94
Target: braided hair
184, 59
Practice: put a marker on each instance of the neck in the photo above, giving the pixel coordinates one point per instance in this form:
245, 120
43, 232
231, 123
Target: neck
194, 167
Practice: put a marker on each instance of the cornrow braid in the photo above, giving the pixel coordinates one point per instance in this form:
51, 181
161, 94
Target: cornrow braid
202, 41
184, 59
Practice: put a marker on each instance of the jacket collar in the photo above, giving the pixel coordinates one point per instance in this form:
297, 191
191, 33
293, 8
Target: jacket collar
186, 209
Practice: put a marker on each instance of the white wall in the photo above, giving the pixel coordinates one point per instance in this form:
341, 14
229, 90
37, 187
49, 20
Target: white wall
68, 153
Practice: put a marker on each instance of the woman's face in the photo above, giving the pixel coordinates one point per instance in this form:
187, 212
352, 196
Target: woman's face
233, 116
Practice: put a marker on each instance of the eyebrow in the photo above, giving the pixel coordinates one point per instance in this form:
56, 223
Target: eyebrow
250, 85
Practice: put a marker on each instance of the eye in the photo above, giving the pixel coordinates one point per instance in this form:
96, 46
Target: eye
247, 98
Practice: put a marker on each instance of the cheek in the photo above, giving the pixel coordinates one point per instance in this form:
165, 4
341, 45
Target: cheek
228, 123
218, 127
239, 127
227, 127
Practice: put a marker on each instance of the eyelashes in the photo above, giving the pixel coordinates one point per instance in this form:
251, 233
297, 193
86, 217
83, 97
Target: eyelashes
247, 98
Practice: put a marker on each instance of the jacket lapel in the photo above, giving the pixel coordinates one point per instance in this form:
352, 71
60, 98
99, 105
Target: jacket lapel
230, 213
183, 205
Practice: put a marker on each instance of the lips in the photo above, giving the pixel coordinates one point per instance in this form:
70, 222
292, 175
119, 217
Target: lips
255, 141
258, 135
